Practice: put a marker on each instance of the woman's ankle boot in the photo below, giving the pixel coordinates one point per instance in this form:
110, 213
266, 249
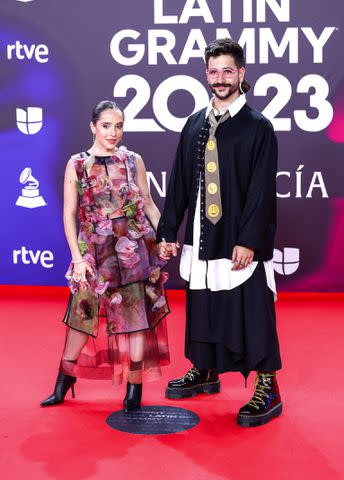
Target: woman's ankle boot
63, 384
132, 400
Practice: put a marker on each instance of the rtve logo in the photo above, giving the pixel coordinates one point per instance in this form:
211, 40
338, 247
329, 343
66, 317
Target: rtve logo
28, 257
21, 51
286, 262
29, 121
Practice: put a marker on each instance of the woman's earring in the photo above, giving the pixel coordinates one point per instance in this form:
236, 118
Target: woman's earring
93, 137
240, 88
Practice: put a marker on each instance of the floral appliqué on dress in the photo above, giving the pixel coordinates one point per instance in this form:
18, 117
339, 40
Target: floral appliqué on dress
117, 240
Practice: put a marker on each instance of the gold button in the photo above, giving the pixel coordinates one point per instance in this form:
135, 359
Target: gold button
212, 188
211, 145
213, 210
211, 167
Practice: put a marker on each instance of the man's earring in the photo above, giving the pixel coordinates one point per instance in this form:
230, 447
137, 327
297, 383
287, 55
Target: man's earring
240, 88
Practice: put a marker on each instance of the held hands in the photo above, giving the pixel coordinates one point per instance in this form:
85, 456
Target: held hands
80, 269
241, 257
167, 249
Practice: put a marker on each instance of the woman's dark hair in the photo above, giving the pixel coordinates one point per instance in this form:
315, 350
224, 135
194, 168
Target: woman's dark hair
104, 105
226, 46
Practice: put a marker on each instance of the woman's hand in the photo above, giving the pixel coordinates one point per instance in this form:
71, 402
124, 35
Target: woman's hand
80, 270
166, 250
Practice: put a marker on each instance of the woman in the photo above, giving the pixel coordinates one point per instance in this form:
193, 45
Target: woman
116, 312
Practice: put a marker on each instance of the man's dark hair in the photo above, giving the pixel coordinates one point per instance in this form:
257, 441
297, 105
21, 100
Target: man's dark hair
227, 46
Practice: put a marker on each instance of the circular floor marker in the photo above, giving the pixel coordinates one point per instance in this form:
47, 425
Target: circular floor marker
153, 420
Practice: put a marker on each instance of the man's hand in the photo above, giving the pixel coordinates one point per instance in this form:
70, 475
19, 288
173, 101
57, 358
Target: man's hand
167, 249
241, 257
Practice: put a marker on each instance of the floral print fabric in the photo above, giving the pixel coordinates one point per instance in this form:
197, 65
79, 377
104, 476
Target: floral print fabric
118, 242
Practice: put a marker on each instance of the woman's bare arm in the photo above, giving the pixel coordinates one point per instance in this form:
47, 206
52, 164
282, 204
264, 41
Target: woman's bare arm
151, 210
70, 206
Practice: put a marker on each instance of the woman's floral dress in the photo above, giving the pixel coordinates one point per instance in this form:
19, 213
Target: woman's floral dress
124, 307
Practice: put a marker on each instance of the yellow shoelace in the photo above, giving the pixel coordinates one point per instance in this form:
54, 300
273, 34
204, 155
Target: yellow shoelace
262, 384
190, 374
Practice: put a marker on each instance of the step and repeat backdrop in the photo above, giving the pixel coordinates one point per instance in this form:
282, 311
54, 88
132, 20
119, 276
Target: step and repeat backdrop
59, 58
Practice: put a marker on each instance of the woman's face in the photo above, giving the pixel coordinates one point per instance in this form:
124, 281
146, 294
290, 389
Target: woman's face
108, 130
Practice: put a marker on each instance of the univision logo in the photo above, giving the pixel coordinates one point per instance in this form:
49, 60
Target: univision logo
286, 262
29, 121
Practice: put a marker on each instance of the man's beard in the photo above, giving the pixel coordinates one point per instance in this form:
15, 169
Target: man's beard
231, 90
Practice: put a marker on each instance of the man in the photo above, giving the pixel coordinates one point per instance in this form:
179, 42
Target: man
224, 175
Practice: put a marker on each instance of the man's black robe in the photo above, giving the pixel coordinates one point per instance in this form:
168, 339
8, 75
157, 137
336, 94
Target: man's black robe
247, 150
235, 329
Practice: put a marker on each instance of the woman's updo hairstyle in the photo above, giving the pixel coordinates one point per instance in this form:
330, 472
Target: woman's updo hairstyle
102, 106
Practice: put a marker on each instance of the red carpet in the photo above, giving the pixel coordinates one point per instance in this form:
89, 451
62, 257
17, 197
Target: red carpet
73, 442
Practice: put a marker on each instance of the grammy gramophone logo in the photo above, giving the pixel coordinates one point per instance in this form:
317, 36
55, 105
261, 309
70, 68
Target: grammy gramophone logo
30, 197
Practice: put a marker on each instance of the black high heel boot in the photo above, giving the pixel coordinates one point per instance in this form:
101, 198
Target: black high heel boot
63, 384
132, 400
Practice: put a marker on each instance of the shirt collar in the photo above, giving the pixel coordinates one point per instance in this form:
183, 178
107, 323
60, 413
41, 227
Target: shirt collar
233, 107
